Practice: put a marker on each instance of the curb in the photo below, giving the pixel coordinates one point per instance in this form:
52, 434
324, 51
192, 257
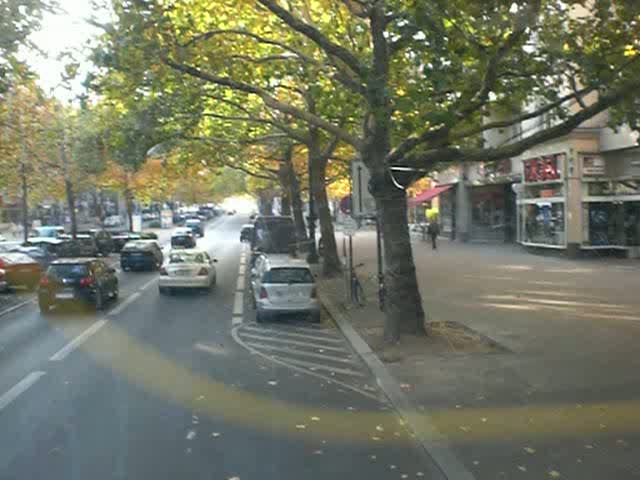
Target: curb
435, 446
16, 307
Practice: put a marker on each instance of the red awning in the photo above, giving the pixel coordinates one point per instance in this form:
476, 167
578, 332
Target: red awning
428, 195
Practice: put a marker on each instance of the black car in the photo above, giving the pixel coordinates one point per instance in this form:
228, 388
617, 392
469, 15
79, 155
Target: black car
82, 246
183, 238
141, 255
121, 238
103, 241
77, 281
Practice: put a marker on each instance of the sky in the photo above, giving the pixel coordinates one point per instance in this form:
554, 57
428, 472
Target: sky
59, 33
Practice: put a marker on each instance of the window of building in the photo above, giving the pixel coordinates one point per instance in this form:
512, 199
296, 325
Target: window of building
612, 223
542, 223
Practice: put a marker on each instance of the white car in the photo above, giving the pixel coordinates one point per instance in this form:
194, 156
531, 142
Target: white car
187, 269
283, 285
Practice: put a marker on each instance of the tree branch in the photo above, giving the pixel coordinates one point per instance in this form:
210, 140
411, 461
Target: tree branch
268, 99
453, 154
313, 34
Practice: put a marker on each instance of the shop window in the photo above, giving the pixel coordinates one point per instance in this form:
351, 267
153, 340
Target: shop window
613, 223
543, 223
544, 191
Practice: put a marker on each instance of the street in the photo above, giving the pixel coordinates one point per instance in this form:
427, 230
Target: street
188, 386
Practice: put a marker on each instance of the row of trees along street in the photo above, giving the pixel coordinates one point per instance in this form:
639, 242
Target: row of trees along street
281, 90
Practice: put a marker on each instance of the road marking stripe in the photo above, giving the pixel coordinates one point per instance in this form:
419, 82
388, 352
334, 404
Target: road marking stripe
318, 366
16, 307
19, 388
236, 320
125, 304
76, 342
262, 346
240, 284
296, 335
241, 271
148, 284
296, 328
238, 303
290, 342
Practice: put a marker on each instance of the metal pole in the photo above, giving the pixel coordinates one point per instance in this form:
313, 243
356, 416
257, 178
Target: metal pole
381, 287
351, 273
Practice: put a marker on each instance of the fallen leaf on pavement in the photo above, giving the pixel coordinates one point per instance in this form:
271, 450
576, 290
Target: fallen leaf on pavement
530, 450
521, 468
215, 434
273, 383
476, 462
464, 429
483, 420
372, 457
622, 442
588, 447
301, 426
404, 475
405, 386
554, 474
234, 478
315, 419
379, 428
201, 397
392, 467
318, 452
419, 474
375, 439
191, 435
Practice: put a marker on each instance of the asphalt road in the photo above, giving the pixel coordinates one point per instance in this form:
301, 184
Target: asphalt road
188, 387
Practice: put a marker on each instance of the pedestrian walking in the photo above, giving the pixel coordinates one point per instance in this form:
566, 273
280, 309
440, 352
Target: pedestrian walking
433, 230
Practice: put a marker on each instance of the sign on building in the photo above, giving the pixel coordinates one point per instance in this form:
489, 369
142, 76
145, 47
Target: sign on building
363, 203
592, 165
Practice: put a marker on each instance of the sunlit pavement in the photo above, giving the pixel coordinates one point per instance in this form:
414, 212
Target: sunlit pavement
563, 400
168, 387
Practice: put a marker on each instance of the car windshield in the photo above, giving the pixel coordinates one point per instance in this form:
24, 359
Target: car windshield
186, 257
288, 275
133, 245
71, 270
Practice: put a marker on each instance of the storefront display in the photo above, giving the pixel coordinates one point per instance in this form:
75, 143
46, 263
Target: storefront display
543, 223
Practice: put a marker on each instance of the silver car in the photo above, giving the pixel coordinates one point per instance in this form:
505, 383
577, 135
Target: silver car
283, 285
187, 269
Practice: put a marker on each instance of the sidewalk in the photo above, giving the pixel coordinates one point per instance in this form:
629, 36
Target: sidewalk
531, 366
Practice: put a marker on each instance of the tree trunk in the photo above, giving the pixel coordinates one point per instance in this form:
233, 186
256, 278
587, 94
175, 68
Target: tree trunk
128, 200
330, 260
285, 207
296, 206
25, 202
403, 302
71, 204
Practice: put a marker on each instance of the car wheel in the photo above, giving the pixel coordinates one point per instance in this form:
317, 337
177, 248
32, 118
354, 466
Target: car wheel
115, 293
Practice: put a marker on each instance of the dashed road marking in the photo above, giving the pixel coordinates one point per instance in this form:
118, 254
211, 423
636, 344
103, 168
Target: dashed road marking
296, 335
291, 342
19, 388
236, 320
238, 304
147, 285
76, 342
132, 298
301, 353
319, 366
240, 284
241, 271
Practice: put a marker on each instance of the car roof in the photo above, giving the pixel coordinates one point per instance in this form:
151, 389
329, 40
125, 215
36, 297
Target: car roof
190, 251
283, 261
181, 231
137, 243
73, 260
248, 225
54, 241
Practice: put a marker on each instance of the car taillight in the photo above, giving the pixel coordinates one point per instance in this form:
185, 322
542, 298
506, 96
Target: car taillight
86, 282
44, 281
263, 293
163, 271
203, 271
314, 293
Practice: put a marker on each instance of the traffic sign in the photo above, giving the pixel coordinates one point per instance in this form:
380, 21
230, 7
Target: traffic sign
349, 227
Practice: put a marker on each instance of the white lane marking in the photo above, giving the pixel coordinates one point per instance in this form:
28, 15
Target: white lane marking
290, 328
241, 271
76, 342
238, 304
19, 388
125, 304
290, 342
319, 366
239, 341
240, 284
303, 353
236, 320
296, 335
147, 285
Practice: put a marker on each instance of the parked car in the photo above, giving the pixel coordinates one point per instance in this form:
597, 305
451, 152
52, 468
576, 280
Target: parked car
183, 238
148, 236
7, 247
77, 280
141, 255
196, 226
121, 238
48, 231
3, 238
4, 284
82, 246
20, 270
283, 285
272, 235
113, 221
246, 233
44, 250
187, 269
103, 240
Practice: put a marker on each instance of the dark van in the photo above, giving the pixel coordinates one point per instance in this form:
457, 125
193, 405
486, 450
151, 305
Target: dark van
141, 255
